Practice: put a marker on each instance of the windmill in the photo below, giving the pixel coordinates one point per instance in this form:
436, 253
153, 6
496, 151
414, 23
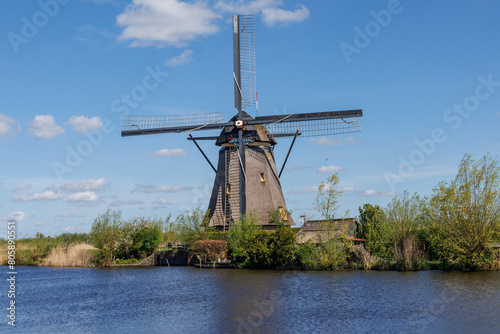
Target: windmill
246, 178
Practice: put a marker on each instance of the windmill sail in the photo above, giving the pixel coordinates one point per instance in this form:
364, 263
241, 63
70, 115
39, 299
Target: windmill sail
142, 125
244, 61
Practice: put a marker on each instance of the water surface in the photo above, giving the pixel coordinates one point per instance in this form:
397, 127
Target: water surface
190, 300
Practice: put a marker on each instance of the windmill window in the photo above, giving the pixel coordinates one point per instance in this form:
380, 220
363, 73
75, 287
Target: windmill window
269, 155
228, 189
282, 213
262, 177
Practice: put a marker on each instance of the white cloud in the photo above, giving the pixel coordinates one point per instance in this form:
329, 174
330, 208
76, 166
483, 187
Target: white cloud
47, 195
85, 124
304, 190
184, 58
373, 193
45, 127
347, 189
167, 152
327, 141
247, 7
85, 198
86, 185
329, 169
41, 224
160, 189
16, 216
166, 22
278, 16
125, 202
295, 167
6, 125
352, 140
161, 201
22, 187
65, 215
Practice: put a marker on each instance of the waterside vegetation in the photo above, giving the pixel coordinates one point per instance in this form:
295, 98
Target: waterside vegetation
456, 228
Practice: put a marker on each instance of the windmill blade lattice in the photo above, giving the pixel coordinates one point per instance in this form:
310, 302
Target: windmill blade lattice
138, 125
247, 59
313, 128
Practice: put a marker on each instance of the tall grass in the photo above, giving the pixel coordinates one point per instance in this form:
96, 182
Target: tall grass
75, 255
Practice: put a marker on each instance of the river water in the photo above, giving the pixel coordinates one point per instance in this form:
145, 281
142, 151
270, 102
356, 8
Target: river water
190, 300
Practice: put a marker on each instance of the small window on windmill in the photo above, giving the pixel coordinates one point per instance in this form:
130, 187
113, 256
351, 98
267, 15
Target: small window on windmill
228, 189
262, 178
282, 213
269, 155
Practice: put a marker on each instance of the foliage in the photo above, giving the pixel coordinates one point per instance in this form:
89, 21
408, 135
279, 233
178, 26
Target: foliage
241, 236
326, 202
211, 249
373, 228
194, 226
105, 234
330, 250
466, 214
171, 231
128, 261
279, 217
406, 216
284, 247
253, 248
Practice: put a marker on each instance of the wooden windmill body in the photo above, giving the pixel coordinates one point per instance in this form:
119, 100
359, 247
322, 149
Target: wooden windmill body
247, 180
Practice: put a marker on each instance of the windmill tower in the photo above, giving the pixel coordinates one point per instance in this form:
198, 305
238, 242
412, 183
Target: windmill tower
247, 180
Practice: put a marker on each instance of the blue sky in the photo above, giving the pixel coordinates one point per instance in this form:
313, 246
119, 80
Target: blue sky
426, 75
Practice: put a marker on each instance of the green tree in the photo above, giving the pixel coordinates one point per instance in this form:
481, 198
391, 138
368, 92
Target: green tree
466, 213
406, 216
373, 228
194, 226
327, 199
241, 236
105, 234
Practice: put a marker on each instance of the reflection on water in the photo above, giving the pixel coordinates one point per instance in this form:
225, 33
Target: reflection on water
189, 300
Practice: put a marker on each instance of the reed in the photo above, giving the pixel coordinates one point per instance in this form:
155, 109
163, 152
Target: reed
75, 255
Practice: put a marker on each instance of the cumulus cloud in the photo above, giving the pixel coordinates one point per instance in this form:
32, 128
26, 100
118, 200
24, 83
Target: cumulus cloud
167, 152
84, 198
47, 195
160, 189
44, 127
16, 216
329, 169
166, 22
282, 17
6, 125
85, 124
184, 58
373, 193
